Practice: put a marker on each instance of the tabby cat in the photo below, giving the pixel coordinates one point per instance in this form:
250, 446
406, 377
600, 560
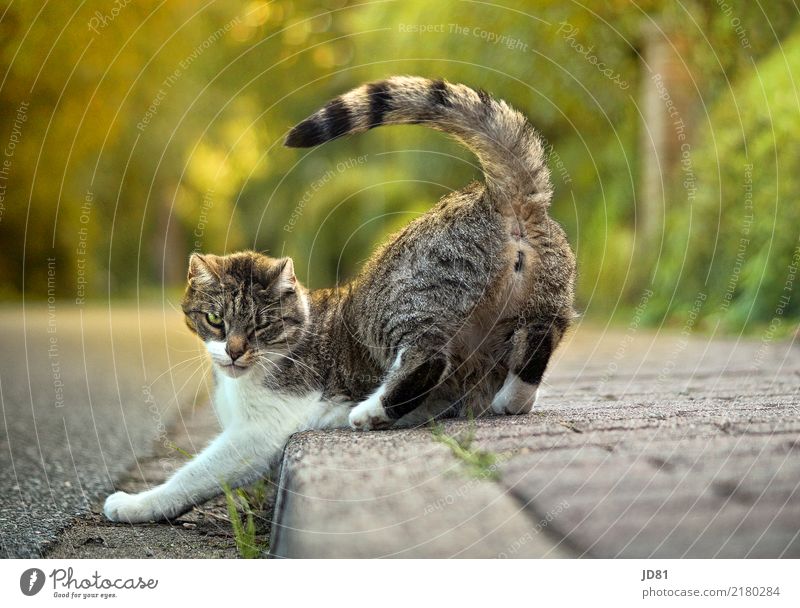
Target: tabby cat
458, 313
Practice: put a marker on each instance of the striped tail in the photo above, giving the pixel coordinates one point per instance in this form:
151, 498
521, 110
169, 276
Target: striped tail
509, 150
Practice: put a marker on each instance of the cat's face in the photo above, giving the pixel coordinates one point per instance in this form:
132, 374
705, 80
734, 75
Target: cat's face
247, 307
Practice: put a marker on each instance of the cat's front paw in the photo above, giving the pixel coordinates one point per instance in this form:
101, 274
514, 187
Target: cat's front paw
135, 508
369, 415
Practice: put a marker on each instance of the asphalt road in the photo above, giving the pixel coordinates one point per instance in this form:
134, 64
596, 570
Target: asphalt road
84, 394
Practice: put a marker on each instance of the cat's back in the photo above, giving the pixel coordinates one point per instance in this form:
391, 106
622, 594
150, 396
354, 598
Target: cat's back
459, 236
433, 272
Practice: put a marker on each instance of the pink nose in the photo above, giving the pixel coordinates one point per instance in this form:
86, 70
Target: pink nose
235, 348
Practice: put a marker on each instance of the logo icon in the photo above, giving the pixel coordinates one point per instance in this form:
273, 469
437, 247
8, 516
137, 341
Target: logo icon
31, 581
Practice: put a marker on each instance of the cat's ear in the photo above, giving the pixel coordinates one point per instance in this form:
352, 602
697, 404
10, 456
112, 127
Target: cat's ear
203, 269
287, 282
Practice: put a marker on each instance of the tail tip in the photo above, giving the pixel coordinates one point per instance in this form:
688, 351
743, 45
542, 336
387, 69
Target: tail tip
305, 135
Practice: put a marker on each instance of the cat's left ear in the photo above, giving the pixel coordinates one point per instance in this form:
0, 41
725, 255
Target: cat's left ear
203, 269
287, 282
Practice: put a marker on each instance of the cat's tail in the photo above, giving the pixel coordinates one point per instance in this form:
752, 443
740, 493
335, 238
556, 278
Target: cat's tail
509, 150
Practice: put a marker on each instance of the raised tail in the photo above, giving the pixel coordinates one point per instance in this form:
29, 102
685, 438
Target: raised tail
509, 150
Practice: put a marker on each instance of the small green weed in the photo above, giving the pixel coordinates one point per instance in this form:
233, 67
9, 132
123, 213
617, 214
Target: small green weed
180, 450
480, 463
248, 503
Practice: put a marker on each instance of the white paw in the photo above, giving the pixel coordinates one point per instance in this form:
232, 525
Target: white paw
515, 396
135, 508
369, 415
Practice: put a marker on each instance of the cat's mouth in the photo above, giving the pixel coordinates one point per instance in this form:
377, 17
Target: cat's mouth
234, 370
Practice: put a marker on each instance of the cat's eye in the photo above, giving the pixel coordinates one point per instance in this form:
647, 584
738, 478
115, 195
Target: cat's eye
213, 319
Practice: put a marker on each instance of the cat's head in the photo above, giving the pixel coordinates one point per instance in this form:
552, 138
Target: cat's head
248, 308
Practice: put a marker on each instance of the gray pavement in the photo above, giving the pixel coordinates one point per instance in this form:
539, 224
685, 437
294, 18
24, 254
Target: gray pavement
202, 533
84, 394
643, 445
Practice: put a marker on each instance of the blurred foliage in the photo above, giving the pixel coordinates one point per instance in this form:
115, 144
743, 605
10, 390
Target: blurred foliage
738, 244
170, 117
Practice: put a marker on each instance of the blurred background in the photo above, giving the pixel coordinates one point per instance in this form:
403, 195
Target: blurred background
134, 133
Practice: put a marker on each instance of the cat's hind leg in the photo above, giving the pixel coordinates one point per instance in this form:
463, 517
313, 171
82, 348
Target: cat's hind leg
416, 371
531, 348
515, 396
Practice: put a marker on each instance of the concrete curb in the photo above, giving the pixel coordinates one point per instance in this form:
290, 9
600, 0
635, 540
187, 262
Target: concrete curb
680, 451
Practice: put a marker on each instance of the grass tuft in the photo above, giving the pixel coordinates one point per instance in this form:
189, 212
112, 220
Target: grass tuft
480, 463
242, 502
247, 503
180, 450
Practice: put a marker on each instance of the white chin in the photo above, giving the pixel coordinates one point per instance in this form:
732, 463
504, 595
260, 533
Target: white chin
234, 371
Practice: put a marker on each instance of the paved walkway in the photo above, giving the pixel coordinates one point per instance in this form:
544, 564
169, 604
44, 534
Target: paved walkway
642, 446
84, 394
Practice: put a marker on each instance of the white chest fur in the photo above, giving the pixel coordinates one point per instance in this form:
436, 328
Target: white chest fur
246, 400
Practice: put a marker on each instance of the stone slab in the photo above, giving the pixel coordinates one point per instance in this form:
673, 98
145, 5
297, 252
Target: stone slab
643, 445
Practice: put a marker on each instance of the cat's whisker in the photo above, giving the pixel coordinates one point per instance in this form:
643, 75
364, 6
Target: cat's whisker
307, 331
268, 372
295, 361
175, 366
174, 307
264, 359
200, 385
176, 395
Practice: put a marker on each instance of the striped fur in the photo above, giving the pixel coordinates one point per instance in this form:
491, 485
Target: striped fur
509, 150
458, 313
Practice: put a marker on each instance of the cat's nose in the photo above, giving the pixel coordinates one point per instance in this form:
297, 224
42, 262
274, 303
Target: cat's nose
235, 347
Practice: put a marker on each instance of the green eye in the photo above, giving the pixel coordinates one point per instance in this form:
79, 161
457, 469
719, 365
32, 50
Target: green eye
213, 319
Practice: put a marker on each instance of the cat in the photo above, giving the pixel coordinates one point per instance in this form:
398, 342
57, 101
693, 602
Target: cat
457, 313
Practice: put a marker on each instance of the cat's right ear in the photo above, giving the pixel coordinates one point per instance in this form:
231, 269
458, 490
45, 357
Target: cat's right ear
203, 269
